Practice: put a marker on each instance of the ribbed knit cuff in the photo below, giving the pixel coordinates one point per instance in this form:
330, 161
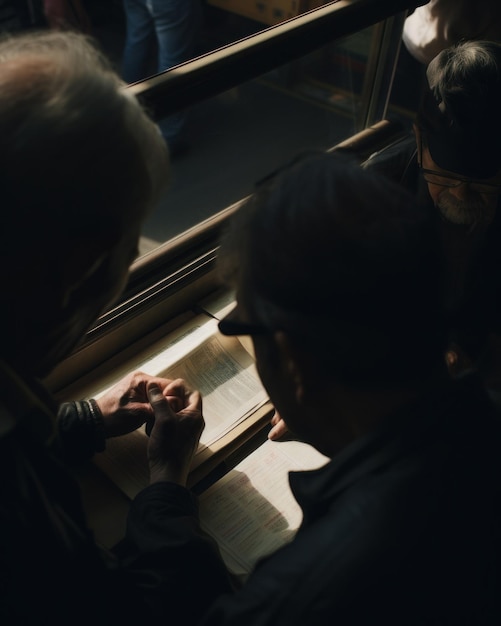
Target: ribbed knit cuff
81, 428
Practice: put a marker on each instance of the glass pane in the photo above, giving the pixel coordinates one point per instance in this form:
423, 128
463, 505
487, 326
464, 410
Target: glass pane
408, 82
242, 135
186, 28
237, 137
213, 23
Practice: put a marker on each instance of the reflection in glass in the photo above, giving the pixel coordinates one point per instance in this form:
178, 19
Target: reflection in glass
238, 137
241, 135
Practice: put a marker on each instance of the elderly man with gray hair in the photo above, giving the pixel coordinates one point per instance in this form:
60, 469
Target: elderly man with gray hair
452, 161
81, 166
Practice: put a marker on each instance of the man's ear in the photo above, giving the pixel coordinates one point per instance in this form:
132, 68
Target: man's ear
292, 364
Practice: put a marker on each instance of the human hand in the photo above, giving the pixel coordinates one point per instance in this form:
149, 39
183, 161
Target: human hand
175, 432
125, 407
457, 361
279, 427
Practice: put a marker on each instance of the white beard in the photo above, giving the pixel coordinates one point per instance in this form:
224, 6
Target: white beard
468, 213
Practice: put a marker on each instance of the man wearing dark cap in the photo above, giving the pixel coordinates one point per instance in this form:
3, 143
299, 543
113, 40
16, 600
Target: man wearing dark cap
453, 159
458, 132
402, 526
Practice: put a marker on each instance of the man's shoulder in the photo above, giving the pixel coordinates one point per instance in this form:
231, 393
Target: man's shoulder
397, 509
395, 159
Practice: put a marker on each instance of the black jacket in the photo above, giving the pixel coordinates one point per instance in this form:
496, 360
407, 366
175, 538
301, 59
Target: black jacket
401, 528
51, 570
472, 296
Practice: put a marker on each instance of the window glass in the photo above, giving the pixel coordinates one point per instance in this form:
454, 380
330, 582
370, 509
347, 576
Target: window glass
230, 141
241, 135
408, 82
189, 27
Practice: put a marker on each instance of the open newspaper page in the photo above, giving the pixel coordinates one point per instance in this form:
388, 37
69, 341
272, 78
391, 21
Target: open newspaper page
251, 511
219, 367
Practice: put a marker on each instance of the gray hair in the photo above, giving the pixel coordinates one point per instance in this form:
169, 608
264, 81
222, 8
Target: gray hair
459, 113
78, 152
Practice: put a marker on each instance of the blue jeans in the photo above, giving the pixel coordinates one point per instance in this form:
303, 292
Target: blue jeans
159, 35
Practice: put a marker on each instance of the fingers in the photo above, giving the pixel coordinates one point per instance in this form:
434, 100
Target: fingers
194, 401
176, 387
172, 400
158, 401
279, 428
134, 390
175, 403
175, 392
149, 425
275, 419
174, 436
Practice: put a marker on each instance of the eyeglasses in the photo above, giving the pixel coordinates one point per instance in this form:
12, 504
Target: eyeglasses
229, 326
435, 178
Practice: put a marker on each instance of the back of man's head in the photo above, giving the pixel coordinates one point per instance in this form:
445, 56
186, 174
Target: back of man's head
459, 113
78, 154
347, 264
81, 164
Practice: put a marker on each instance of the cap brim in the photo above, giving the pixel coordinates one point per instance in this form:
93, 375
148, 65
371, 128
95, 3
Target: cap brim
471, 149
466, 156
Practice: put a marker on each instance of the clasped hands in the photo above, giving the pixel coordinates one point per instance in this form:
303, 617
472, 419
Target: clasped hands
173, 417
172, 414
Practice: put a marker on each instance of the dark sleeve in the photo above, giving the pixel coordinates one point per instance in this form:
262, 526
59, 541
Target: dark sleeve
80, 430
394, 161
178, 565
478, 318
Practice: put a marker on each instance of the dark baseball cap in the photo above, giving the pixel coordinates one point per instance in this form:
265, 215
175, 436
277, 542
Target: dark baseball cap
460, 113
